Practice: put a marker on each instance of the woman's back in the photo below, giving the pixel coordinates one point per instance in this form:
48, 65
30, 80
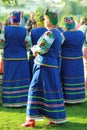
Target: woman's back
14, 42
73, 43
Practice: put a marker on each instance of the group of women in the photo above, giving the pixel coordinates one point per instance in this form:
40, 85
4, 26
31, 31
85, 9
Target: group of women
56, 66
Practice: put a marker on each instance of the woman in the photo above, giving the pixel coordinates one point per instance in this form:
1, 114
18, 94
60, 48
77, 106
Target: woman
31, 22
16, 75
72, 70
35, 34
45, 95
83, 28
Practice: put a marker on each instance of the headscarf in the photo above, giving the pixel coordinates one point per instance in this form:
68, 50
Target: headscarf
69, 22
52, 16
16, 16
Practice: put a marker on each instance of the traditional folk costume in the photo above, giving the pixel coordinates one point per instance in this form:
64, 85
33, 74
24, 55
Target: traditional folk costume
72, 69
45, 96
16, 75
35, 35
83, 28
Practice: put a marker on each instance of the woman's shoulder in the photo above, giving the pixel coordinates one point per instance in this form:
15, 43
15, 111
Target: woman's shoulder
83, 28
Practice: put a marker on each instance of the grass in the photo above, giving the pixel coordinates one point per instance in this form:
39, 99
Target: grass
12, 118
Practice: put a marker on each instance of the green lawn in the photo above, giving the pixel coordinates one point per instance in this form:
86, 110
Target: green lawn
12, 118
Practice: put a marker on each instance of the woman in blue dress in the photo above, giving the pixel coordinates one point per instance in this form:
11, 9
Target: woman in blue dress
83, 28
16, 75
45, 96
72, 70
35, 34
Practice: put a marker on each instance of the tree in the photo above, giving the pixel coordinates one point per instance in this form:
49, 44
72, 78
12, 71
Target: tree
6, 1
11, 2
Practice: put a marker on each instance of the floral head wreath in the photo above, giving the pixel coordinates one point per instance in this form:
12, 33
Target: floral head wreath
69, 22
52, 16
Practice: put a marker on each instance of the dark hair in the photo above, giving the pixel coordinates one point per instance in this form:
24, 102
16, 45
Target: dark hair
84, 20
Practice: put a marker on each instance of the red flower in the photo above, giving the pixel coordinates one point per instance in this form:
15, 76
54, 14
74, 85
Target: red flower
48, 33
43, 44
14, 17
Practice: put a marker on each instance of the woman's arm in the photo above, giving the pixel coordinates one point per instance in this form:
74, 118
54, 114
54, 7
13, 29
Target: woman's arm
28, 41
44, 43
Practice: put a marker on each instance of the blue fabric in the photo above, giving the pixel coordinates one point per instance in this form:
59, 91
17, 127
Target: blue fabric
53, 51
45, 96
16, 16
35, 35
17, 47
72, 46
72, 69
60, 29
16, 75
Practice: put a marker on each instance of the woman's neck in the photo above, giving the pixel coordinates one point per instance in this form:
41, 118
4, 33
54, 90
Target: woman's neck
15, 24
50, 27
69, 29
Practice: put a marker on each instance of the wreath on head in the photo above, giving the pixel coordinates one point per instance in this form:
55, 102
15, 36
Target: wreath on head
69, 22
52, 16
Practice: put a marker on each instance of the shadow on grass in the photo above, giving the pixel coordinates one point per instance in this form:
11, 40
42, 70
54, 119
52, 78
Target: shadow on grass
45, 126
79, 110
12, 110
65, 126
77, 119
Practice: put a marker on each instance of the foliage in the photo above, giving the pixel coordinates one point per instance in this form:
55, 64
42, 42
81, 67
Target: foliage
73, 7
10, 2
3, 19
39, 16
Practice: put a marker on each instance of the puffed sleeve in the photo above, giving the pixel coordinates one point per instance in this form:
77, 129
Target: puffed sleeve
2, 40
63, 38
28, 41
44, 43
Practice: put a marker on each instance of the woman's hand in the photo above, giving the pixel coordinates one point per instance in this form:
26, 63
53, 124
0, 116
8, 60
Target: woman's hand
35, 53
2, 41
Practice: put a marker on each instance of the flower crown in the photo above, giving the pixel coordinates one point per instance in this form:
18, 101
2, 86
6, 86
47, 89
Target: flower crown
52, 16
68, 20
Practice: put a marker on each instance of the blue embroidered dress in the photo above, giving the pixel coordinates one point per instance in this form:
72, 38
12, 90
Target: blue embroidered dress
45, 96
16, 75
72, 70
83, 28
35, 35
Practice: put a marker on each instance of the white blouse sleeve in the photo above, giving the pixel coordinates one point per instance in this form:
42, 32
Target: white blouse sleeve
44, 43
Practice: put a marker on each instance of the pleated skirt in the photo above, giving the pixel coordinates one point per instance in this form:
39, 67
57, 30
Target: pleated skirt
45, 97
16, 80
72, 78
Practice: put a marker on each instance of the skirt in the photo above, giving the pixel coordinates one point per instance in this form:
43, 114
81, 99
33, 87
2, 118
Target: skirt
16, 80
72, 78
45, 97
